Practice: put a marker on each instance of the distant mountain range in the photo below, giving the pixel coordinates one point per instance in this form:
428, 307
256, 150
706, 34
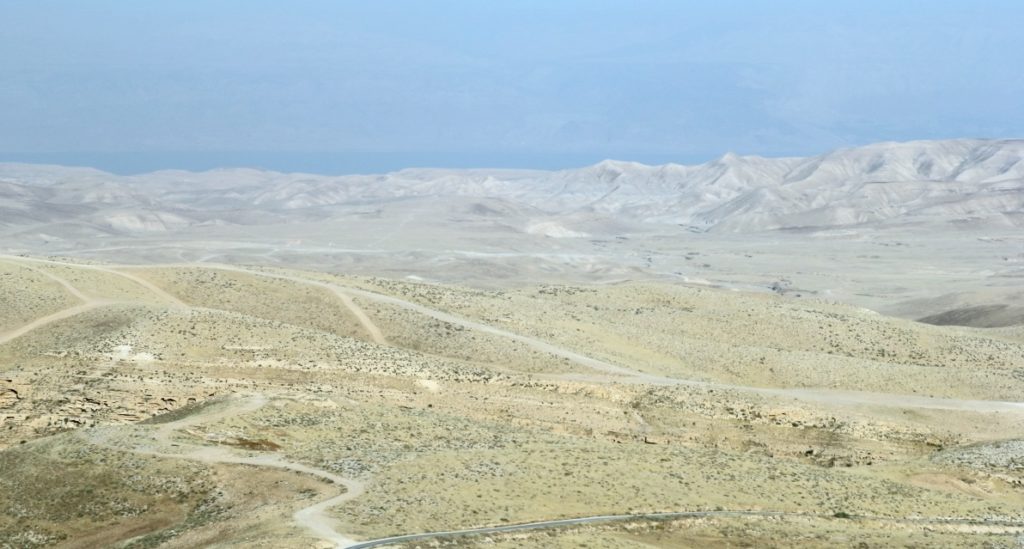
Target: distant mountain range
955, 183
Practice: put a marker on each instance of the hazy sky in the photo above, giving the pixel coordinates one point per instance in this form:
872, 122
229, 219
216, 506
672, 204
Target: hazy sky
361, 85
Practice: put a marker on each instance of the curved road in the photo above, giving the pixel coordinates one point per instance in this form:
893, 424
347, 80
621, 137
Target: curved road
313, 518
623, 375
88, 302
532, 342
364, 320
71, 289
626, 375
598, 519
341, 293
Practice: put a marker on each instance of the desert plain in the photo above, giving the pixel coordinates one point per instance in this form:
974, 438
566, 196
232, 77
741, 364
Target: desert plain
464, 370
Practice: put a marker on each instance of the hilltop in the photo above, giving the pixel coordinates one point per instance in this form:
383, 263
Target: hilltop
188, 405
960, 182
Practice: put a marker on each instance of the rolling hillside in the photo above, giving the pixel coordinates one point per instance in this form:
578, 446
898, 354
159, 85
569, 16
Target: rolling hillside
957, 183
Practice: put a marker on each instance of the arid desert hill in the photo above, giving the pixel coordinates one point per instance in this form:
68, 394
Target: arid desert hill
921, 230
973, 183
820, 352
184, 405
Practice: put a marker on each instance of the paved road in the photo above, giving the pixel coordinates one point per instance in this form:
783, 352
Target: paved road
598, 519
314, 517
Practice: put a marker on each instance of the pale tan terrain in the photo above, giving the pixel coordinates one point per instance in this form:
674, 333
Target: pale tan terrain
197, 405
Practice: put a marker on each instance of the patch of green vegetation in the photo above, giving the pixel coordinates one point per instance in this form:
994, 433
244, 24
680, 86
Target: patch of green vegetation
62, 487
205, 512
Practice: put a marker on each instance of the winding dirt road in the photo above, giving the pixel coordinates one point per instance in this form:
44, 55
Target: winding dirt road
341, 293
313, 518
50, 319
71, 289
375, 333
87, 303
531, 342
621, 374
156, 290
